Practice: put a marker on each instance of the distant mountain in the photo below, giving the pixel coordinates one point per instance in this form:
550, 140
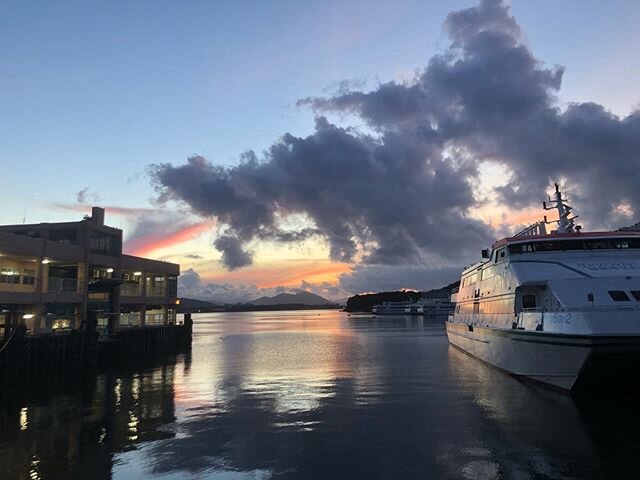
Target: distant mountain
193, 305
300, 298
631, 228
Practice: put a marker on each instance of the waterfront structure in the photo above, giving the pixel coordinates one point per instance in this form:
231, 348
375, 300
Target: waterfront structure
562, 308
61, 275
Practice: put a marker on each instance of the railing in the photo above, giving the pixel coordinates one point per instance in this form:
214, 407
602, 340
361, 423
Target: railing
62, 285
583, 308
130, 290
156, 291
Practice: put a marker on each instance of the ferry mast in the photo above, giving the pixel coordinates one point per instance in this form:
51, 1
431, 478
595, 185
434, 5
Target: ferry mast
565, 223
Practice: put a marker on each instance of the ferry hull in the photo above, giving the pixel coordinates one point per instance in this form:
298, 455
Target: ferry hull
568, 362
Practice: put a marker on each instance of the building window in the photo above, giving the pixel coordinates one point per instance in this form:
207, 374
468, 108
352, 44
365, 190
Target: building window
172, 286
66, 236
9, 275
105, 243
619, 296
28, 277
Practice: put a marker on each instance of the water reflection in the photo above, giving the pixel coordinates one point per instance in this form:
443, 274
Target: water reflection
316, 395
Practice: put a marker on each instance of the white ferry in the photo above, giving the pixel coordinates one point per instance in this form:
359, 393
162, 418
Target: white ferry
561, 308
430, 306
391, 308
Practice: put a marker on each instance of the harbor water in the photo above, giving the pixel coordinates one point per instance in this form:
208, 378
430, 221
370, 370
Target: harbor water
314, 394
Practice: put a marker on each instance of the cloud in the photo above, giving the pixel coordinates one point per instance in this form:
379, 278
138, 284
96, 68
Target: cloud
489, 96
191, 285
84, 196
395, 200
233, 256
380, 278
162, 229
81, 196
382, 201
109, 210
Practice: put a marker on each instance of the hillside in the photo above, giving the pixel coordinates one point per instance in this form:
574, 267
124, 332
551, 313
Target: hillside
300, 298
193, 305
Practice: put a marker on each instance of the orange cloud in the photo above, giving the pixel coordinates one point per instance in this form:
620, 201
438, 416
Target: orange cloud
288, 273
144, 245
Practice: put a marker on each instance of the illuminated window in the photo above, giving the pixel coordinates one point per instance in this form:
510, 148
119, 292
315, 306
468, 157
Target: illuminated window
9, 275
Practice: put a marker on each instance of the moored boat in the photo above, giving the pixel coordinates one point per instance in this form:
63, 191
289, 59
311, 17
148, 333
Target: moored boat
561, 308
391, 308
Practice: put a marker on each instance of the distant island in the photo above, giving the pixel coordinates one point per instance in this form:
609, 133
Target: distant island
364, 302
283, 301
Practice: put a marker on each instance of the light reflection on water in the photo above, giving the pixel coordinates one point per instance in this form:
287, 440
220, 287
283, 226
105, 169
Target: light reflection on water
315, 395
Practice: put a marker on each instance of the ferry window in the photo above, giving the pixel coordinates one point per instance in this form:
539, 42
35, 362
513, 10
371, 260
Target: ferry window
488, 272
636, 294
515, 248
500, 255
618, 296
528, 301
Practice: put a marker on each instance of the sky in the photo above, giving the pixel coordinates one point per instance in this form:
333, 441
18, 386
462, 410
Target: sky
336, 147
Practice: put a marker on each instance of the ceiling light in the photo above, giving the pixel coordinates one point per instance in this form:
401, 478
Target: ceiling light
46, 260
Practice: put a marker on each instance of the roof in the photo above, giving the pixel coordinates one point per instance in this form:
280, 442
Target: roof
565, 236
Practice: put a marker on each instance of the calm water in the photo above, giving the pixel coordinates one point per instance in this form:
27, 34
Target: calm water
316, 395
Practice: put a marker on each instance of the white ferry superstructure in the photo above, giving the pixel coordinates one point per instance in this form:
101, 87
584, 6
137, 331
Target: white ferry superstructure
561, 308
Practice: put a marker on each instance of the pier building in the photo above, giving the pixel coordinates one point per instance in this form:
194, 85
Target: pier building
64, 276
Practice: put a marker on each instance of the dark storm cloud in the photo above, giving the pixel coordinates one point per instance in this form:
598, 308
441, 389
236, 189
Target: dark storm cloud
395, 198
380, 278
399, 195
489, 95
233, 256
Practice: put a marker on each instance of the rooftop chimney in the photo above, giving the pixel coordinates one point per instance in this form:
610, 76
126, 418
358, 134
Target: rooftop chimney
97, 215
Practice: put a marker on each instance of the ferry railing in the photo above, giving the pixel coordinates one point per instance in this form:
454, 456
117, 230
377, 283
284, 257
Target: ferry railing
583, 308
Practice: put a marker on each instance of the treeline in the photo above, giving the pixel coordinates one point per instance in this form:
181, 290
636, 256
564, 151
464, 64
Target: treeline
364, 302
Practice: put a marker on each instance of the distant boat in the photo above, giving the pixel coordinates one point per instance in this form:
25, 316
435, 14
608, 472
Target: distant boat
433, 306
391, 308
561, 308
